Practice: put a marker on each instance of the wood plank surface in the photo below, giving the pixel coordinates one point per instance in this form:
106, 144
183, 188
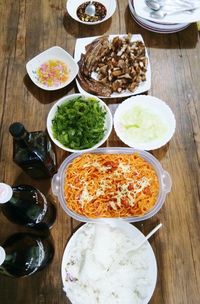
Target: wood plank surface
29, 27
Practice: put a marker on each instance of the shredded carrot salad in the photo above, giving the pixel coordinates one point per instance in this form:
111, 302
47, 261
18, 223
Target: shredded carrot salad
110, 185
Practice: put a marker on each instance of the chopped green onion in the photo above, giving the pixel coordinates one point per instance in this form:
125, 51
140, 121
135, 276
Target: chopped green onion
79, 123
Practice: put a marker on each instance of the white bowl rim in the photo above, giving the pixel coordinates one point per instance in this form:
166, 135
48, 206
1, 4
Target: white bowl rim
69, 97
71, 4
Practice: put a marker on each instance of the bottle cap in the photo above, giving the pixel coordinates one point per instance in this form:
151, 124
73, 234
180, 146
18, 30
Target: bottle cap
6, 193
17, 129
2, 255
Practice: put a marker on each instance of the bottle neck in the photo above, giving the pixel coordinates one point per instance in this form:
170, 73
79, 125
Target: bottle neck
2, 255
6, 193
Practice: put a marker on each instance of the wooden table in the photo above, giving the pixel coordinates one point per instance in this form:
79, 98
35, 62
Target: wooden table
30, 27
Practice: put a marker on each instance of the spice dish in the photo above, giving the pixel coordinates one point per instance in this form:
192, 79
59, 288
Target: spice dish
52, 69
164, 180
98, 263
91, 11
73, 5
138, 76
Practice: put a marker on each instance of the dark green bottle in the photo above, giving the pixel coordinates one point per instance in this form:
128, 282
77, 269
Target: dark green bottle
23, 254
33, 152
26, 205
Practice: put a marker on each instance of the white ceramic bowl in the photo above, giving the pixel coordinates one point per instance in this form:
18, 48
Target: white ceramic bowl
53, 53
108, 122
72, 6
93, 256
144, 122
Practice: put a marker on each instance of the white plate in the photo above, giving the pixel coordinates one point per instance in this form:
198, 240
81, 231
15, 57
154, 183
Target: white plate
143, 86
154, 30
152, 107
150, 25
183, 17
82, 237
55, 53
156, 27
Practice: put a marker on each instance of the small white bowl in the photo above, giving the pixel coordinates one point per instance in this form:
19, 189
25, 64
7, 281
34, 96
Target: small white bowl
72, 6
53, 53
144, 122
108, 122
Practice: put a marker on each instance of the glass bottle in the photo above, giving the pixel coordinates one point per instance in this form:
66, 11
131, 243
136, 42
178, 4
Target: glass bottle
26, 205
23, 254
33, 151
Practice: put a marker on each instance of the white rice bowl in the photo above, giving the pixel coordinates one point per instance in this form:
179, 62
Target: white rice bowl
98, 266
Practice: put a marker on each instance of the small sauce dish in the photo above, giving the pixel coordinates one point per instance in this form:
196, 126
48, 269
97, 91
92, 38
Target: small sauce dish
104, 10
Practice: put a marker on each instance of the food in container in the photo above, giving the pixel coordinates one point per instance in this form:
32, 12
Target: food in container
104, 10
111, 78
110, 185
100, 265
159, 188
100, 12
79, 122
144, 122
113, 64
52, 69
53, 73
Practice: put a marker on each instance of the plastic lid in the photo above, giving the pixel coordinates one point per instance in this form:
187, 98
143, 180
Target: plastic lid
6, 193
2, 255
17, 129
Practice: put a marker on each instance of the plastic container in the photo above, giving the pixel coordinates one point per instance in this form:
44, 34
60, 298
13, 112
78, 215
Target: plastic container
164, 179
